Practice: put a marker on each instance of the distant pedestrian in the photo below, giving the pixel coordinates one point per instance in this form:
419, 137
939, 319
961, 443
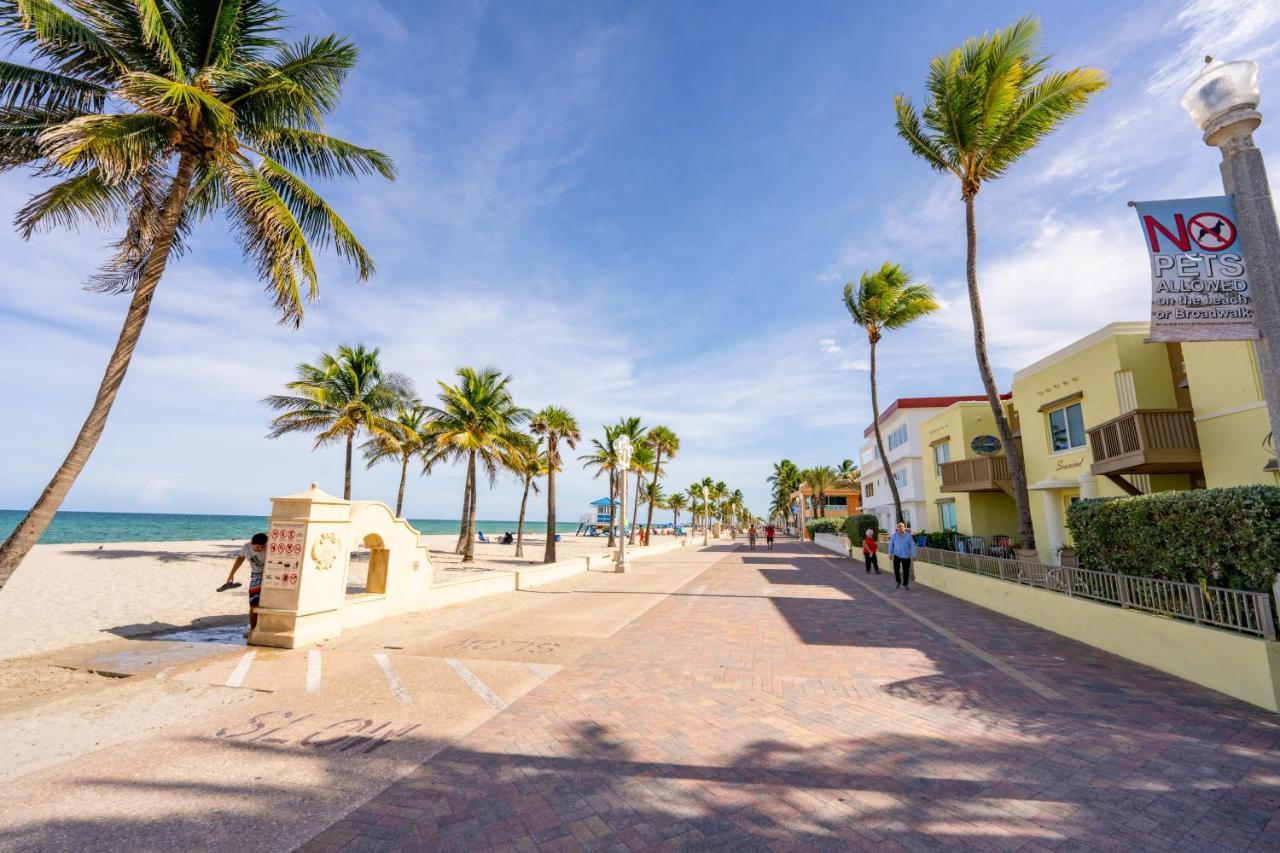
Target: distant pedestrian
869, 548
768, 537
751, 536
903, 549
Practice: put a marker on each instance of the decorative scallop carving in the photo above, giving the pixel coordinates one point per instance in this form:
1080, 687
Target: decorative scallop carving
326, 550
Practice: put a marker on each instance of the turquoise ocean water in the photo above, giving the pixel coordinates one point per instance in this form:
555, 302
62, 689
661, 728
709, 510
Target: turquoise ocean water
76, 527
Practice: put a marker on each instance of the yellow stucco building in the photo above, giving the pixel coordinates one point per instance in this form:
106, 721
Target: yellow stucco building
1107, 415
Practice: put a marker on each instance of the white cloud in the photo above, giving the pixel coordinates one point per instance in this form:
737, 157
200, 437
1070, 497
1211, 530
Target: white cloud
829, 346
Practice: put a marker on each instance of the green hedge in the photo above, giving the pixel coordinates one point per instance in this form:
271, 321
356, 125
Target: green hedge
825, 525
1226, 537
856, 527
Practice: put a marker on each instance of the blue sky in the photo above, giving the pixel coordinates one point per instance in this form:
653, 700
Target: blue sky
633, 208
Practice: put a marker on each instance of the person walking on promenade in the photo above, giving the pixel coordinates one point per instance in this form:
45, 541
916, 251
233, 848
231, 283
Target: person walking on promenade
903, 549
751, 536
768, 537
869, 548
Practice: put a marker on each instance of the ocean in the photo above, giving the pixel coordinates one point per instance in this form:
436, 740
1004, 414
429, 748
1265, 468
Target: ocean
80, 527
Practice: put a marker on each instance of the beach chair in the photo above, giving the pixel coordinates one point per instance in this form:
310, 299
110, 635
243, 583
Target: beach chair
480, 537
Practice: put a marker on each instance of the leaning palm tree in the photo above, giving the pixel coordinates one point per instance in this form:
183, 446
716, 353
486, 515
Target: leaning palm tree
886, 300
404, 438
990, 101
476, 422
664, 443
605, 461
340, 396
161, 113
555, 425
528, 461
676, 503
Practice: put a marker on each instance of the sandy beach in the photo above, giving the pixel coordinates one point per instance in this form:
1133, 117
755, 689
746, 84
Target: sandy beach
66, 595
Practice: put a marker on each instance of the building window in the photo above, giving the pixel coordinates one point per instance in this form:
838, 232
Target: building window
837, 502
906, 517
941, 453
871, 489
898, 437
900, 476
1066, 428
947, 515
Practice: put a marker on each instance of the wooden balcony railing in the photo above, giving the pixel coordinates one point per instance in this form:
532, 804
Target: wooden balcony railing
1147, 441
980, 474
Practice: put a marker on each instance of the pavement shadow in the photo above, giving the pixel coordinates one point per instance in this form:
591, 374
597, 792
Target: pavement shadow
161, 555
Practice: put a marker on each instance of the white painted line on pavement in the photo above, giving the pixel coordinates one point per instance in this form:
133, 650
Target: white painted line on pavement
313, 671
479, 687
538, 670
1014, 673
393, 680
236, 678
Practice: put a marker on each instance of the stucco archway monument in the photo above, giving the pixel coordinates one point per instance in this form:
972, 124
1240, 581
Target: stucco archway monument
304, 583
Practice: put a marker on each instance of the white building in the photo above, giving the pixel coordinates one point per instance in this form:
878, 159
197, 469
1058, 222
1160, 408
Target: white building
900, 429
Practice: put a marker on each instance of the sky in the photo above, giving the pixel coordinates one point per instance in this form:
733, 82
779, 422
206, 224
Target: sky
632, 208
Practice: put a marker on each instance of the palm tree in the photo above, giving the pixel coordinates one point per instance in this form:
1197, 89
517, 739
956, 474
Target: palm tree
161, 113
340, 396
990, 101
819, 478
603, 459
528, 462
717, 491
676, 503
404, 438
664, 443
642, 461
886, 300
476, 421
785, 480
847, 474
555, 425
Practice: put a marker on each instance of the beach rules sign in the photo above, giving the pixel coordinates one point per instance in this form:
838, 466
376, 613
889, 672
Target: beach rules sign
1199, 280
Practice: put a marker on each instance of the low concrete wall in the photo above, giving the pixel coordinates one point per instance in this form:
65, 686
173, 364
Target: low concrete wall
469, 589
1245, 667
832, 542
552, 572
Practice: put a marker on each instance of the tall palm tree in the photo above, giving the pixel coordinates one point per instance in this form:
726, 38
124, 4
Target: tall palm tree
785, 480
664, 443
847, 474
528, 461
886, 300
554, 425
642, 459
605, 461
990, 101
476, 421
340, 396
676, 503
405, 437
161, 113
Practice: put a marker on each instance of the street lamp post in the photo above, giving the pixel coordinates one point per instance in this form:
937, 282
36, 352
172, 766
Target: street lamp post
622, 452
1223, 102
706, 513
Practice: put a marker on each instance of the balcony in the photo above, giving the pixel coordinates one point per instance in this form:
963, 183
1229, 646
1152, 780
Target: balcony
1147, 441
980, 474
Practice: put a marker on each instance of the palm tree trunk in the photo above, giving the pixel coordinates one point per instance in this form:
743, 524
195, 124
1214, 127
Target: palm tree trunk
657, 468
635, 508
404, 473
524, 501
32, 527
884, 458
549, 551
469, 549
466, 513
613, 509
346, 480
1017, 471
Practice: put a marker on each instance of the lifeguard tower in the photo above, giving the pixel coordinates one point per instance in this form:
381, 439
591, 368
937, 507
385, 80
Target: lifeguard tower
598, 521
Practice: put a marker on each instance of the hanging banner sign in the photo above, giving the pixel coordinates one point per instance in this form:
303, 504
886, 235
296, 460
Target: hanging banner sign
1199, 281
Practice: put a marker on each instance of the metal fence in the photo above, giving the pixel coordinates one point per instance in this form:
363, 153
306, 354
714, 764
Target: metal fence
1231, 609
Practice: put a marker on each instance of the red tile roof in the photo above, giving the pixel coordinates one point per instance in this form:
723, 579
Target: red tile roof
925, 403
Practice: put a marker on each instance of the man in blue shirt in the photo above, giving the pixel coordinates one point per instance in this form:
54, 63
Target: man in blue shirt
903, 550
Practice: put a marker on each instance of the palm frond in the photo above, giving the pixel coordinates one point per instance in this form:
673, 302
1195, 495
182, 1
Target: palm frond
120, 145
25, 88
314, 153
156, 21
80, 198
318, 220
69, 44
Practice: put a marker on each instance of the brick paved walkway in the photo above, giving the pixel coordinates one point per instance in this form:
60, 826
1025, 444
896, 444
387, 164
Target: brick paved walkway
780, 701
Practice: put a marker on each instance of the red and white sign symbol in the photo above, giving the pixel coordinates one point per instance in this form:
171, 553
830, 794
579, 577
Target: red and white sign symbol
1212, 232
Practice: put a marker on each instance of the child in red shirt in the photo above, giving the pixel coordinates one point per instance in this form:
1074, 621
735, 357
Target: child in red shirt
869, 552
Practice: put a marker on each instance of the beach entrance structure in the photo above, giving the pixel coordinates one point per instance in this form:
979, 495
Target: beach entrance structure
304, 584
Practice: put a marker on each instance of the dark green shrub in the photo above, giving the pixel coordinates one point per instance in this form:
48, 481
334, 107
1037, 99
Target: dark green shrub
856, 526
825, 525
940, 539
1226, 537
